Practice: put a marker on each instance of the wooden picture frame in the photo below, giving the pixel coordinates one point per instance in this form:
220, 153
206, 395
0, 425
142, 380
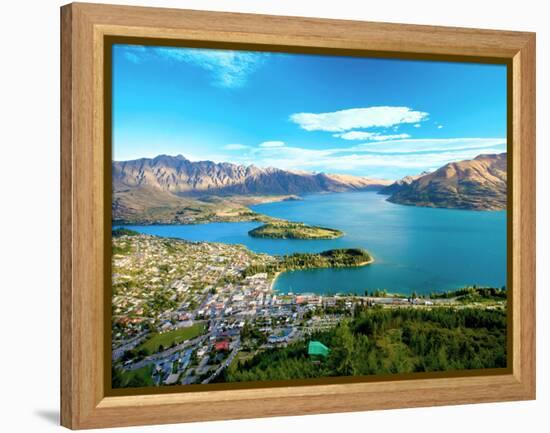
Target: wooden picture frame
85, 215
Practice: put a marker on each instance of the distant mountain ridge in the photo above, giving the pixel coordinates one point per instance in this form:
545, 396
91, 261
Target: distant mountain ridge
178, 175
400, 184
172, 189
478, 184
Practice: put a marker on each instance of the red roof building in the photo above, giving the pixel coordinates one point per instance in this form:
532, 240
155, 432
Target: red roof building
222, 345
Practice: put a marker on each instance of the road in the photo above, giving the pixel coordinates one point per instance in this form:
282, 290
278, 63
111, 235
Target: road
226, 363
129, 345
167, 353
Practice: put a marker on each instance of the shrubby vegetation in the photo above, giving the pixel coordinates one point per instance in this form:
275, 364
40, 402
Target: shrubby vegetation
122, 247
132, 379
337, 258
383, 341
124, 232
292, 230
473, 294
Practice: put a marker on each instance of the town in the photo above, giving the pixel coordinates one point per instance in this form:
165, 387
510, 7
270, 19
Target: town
183, 312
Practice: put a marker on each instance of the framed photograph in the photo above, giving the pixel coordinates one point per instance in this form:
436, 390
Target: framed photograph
267, 216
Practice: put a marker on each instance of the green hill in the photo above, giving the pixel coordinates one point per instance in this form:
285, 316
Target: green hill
291, 230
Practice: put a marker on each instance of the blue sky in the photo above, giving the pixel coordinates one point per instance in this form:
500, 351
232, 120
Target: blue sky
371, 117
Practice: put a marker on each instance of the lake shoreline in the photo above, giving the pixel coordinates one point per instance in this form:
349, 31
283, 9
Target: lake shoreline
278, 273
410, 243
294, 230
228, 214
275, 276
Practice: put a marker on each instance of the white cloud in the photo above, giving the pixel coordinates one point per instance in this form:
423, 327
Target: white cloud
439, 126
271, 144
409, 156
427, 145
294, 158
133, 57
374, 136
228, 68
352, 118
235, 146
134, 53
417, 125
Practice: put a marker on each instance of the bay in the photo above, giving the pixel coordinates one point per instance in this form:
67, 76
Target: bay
415, 248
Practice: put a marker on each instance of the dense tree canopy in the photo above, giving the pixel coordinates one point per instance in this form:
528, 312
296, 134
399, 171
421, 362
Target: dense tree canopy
337, 258
383, 341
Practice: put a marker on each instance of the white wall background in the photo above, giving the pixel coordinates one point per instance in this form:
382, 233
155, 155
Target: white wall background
29, 215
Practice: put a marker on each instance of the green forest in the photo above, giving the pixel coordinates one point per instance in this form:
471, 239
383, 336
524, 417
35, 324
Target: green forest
388, 341
337, 258
122, 231
291, 230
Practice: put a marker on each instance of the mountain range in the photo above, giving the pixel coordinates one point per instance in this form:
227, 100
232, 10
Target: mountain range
178, 175
175, 189
479, 184
400, 184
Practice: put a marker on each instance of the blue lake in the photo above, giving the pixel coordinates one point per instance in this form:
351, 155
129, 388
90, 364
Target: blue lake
415, 249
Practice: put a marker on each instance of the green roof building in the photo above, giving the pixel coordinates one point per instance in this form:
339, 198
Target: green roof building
316, 348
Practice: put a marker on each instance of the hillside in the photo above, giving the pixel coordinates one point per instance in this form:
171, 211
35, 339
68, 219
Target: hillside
151, 206
178, 175
386, 341
478, 184
400, 184
173, 189
290, 230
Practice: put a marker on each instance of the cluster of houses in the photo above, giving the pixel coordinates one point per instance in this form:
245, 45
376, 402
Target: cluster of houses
151, 283
154, 290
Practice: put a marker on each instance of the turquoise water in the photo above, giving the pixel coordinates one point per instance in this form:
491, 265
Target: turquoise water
415, 249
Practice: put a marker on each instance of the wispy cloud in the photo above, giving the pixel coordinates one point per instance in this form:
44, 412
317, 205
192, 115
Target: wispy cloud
353, 118
133, 57
271, 144
408, 156
134, 53
235, 146
428, 145
373, 136
230, 69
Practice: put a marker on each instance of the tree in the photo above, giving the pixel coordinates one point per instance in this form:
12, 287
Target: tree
137, 382
143, 352
342, 353
116, 377
129, 354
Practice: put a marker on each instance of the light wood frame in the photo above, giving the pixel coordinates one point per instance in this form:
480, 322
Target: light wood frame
84, 403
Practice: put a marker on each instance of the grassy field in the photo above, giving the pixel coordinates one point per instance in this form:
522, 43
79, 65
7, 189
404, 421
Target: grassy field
139, 377
145, 206
289, 230
167, 339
